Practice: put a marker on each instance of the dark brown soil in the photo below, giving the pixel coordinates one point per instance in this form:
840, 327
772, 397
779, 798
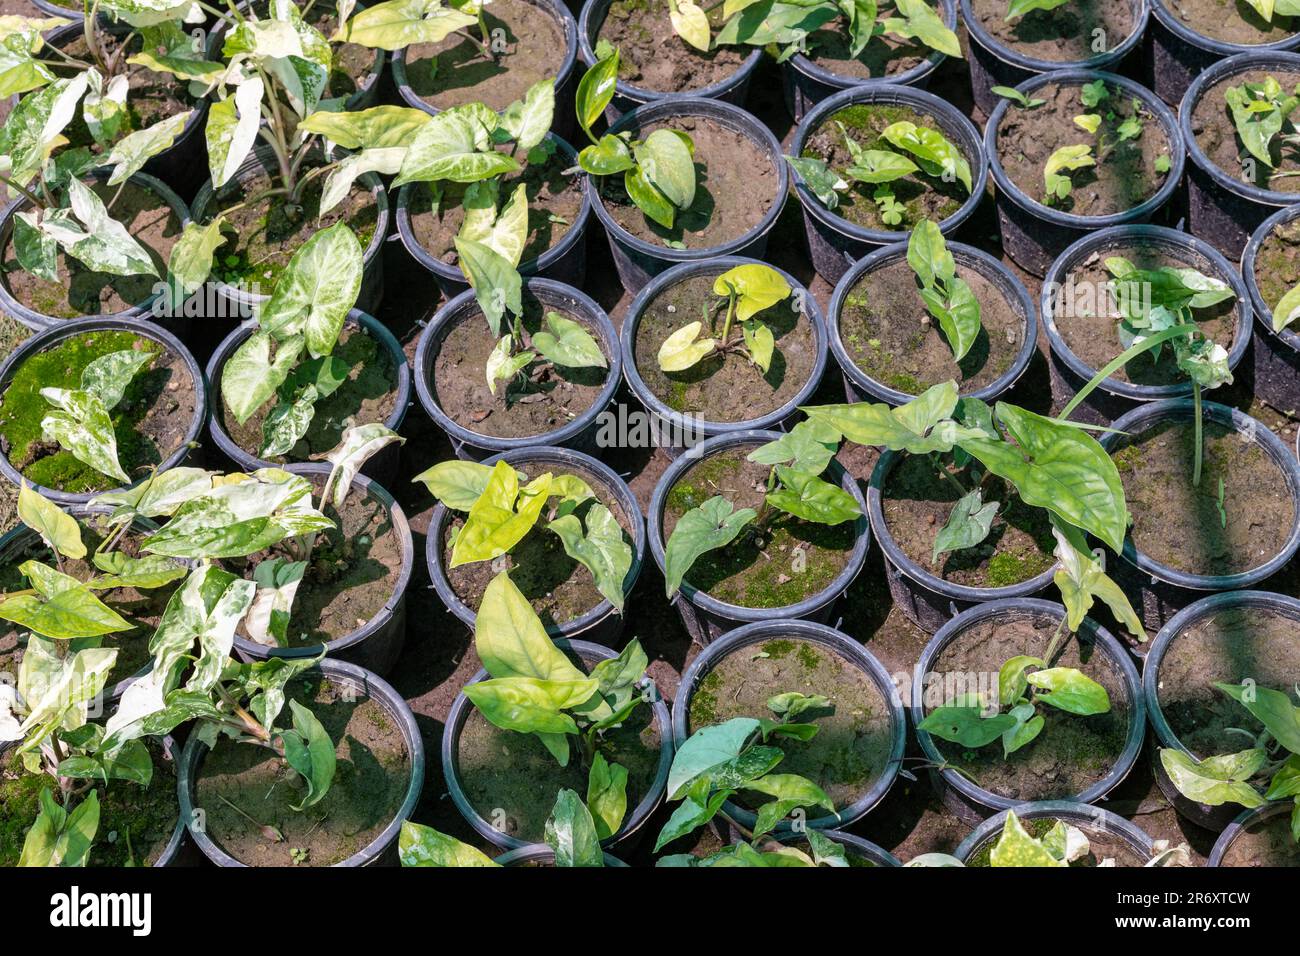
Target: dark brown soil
917, 502
369, 395
370, 783
1091, 333
351, 63
1267, 844
723, 388
511, 779
890, 335
1233, 645
1063, 35
735, 186
1232, 20
1178, 524
557, 397
1277, 265
1125, 174
554, 202
794, 560
653, 57
150, 422
455, 71
147, 814
263, 236
81, 291
853, 743
559, 588
1102, 844
1072, 752
1216, 134
352, 574
922, 196
884, 55
142, 608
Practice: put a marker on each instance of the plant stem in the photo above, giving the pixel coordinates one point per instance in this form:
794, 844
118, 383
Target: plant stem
731, 311
1200, 434
1123, 359
88, 24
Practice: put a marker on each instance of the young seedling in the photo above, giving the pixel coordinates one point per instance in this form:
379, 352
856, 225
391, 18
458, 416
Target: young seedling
1015, 96
1049, 463
534, 689
794, 488
947, 298
1260, 112
718, 762
1111, 131
658, 172
1067, 159
499, 513
747, 290
1274, 757
1271, 9
1018, 8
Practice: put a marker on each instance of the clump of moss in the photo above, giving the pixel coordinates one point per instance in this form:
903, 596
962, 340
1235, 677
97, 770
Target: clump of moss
778, 649
704, 702
1008, 568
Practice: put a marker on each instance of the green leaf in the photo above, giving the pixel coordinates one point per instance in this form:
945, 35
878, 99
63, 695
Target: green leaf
108, 376
232, 128
339, 181
1029, 725
601, 550
683, 348
59, 838
606, 795
132, 151
57, 686
706, 750
277, 580
396, 24
317, 289
921, 426
190, 262
666, 161
759, 342
250, 377
146, 573
529, 120
964, 725
1018, 8
455, 146
81, 425
309, 751
380, 127
1286, 781
498, 287
506, 232
528, 704
1272, 708
1009, 93
968, 524
920, 22
648, 198
808, 447
1070, 690
58, 529
789, 792
571, 833
596, 90
691, 814
569, 344
712, 525
876, 166
287, 423
1016, 848
90, 235
1012, 682
809, 497
611, 154
1215, 781
36, 252
458, 484
691, 23
791, 704
358, 445
511, 641
418, 845
500, 517
1081, 578
1065, 160
935, 154
756, 287
824, 182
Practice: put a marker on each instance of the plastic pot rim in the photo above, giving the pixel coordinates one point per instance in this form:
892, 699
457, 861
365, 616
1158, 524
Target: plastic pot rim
1220, 47
847, 649
535, 852
733, 118
442, 515
1263, 311
975, 259
633, 820
1138, 233
1111, 822
1090, 631
56, 333
809, 68
1071, 77
943, 113
366, 487
1133, 423
995, 47
226, 348
455, 310
1242, 822
682, 422
376, 689
734, 612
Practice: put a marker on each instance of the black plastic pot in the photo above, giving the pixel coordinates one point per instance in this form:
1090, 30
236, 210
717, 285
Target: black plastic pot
542, 855
677, 430
383, 466
926, 599
566, 77
566, 261
37, 321
231, 305
1222, 209
382, 850
853, 654
378, 643
635, 819
861, 387
1164, 591
579, 433
1244, 823
807, 84
1275, 355
636, 259
1203, 815
628, 97
1086, 818
1178, 55
187, 453
834, 243
1113, 397
964, 797
1034, 234
993, 63
855, 846
600, 625
706, 618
